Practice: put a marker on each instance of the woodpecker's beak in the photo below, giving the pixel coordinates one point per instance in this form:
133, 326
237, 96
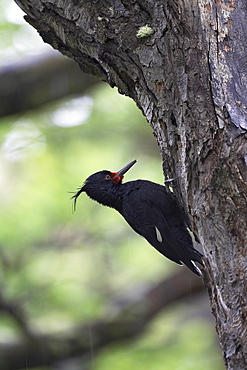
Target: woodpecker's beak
126, 168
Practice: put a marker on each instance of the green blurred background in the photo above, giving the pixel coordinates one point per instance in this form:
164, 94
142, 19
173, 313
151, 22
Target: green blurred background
63, 268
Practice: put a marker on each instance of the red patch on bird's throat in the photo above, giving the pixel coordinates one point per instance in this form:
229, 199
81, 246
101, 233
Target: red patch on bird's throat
117, 179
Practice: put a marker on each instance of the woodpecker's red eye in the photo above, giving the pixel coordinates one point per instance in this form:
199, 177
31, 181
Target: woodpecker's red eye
108, 177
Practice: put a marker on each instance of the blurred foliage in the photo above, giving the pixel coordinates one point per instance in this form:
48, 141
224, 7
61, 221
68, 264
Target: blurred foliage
48, 238
62, 267
167, 346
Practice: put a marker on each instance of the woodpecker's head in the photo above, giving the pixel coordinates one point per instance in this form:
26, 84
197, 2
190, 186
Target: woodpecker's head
102, 185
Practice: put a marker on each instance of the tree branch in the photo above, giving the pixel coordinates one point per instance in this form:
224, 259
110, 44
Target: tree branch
127, 319
39, 80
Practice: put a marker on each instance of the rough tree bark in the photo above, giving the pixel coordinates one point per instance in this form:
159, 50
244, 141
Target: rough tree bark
184, 64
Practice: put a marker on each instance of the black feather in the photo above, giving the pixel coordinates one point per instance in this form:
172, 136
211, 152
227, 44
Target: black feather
151, 210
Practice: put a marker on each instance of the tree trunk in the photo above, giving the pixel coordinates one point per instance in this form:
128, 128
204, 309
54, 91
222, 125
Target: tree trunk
184, 64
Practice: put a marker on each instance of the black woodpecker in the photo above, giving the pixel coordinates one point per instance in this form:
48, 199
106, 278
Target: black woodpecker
150, 209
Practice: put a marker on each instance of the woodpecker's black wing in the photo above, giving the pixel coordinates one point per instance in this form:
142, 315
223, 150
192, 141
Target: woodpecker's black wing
153, 213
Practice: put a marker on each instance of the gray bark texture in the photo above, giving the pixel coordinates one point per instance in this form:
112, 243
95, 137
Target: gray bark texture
184, 64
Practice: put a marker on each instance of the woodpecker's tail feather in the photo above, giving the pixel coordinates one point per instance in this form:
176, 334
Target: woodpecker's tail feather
194, 268
194, 256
